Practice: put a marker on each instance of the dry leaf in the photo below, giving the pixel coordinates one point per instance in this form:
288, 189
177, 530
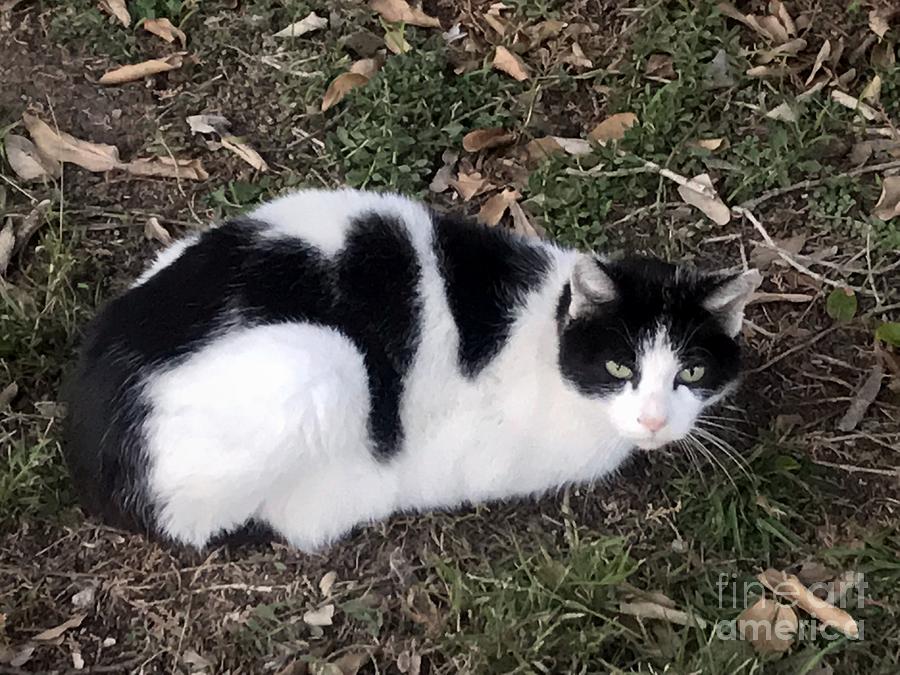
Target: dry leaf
763, 256
156, 232
444, 176
888, 205
783, 113
118, 9
496, 22
573, 146
84, 598
711, 144
138, 71
613, 128
824, 53
455, 33
395, 11
521, 222
308, 24
768, 625
326, 582
878, 23
22, 656
864, 398
509, 63
493, 209
848, 101
62, 147
245, 152
543, 31
789, 48
654, 610
340, 87
788, 586
660, 65
778, 9
812, 572
197, 662
164, 29
208, 124
30, 224
53, 633
396, 42
483, 139
577, 57
166, 167
883, 55
25, 159
7, 243
714, 208
319, 617
366, 67
469, 185
540, 149
872, 91
8, 395
773, 26
350, 663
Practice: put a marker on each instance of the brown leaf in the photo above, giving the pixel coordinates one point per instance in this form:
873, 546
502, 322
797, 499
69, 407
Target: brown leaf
788, 586
395, 11
164, 29
577, 57
396, 42
713, 207
660, 65
543, 31
824, 53
217, 124
711, 144
319, 617
7, 243
209, 124
138, 71
483, 139
871, 93
883, 55
763, 256
888, 205
852, 103
351, 662
509, 63
814, 573
878, 23
366, 67
613, 128
53, 633
31, 223
493, 209
166, 167
778, 9
521, 222
496, 22
62, 147
773, 26
540, 149
864, 398
154, 231
444, 176
118, 9
768, 625
311, 22
653, 610
245, 152
469, 185
326, 582
340, 87
789, 48
7, 396
25, 159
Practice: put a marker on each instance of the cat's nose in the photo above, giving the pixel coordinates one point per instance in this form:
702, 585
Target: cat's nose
652, 423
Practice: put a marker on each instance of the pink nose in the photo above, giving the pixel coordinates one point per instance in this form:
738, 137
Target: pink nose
652, 423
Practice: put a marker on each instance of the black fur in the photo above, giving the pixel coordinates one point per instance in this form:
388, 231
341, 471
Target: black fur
234, 277
649, 293
487, 273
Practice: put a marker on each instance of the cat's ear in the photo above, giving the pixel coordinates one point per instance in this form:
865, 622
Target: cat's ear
729, 298
590, 285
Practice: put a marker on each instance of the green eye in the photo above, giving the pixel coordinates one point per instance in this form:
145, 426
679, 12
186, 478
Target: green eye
618, 371
691, 375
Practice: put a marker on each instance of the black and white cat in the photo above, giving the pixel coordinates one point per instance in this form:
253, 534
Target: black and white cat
335, 357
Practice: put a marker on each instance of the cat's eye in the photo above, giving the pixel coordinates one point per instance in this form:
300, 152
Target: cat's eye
691, 375
618, 371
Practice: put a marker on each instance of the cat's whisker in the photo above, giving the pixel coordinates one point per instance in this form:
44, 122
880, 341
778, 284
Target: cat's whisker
711, 456
702, 421
726, 449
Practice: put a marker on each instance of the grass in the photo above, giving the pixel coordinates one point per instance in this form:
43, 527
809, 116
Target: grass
507, 588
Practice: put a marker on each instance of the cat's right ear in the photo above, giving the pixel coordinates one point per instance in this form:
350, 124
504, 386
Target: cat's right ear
591, 286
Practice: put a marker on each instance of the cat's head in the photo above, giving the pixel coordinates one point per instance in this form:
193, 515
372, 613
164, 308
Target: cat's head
653, 342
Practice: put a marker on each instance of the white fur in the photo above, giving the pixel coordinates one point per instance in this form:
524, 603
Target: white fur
270, 422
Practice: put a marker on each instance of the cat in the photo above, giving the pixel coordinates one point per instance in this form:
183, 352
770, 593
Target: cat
337, 356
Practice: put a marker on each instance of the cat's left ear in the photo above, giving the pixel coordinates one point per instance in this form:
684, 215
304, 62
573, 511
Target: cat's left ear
590, 285
729, 298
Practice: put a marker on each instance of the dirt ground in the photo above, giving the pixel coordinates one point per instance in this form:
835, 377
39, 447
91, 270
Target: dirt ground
464, 591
